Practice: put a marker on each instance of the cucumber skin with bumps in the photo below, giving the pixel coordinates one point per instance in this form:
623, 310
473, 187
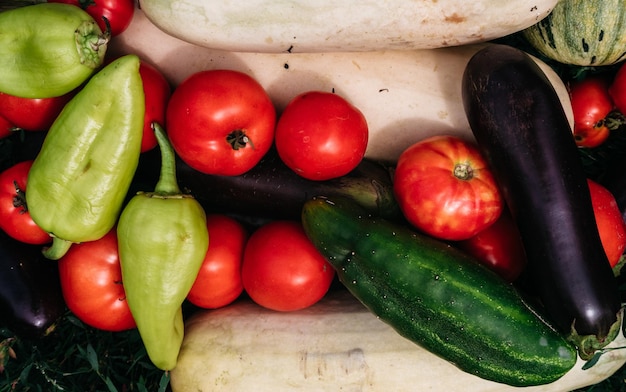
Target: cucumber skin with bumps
438, 297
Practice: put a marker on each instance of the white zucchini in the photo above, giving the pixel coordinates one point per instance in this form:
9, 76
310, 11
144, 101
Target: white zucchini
336, 345
404, 95
299, 26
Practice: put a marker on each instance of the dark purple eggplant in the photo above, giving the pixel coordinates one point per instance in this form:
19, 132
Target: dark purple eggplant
521, 128
271, 190
31, 300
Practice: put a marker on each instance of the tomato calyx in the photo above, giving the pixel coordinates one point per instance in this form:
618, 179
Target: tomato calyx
593, 135
613, 120
19, 200
238, 139
463, 171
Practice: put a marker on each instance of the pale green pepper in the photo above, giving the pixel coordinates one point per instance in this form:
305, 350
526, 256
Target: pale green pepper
80, 178
162, 242
48, 49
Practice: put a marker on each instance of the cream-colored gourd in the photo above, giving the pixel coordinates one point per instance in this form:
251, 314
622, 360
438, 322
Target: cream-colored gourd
404, 95
299, 26
335, 345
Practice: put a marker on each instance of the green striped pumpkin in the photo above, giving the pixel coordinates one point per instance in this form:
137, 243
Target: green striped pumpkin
582, 32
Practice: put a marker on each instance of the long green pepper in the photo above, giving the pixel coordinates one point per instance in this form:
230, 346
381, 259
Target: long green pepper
80, 178
162, 242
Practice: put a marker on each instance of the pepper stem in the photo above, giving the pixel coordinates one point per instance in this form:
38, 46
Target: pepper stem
91, 43
58, 248
168, 184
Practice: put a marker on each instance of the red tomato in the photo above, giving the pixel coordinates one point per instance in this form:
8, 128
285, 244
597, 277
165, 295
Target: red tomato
617, 89
91, 281
445, 188
119, 13
591, 104
6, 127
321, 136
220, 122
157, 92
32, 114
499, 246
219, 281
609, 220
15, 219
282, 270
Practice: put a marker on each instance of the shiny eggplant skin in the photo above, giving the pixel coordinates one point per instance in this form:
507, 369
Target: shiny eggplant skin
522, 130
31, 300
271, 190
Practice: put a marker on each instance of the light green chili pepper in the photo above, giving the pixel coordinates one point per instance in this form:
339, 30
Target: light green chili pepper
162, 242
48, 49
79, 180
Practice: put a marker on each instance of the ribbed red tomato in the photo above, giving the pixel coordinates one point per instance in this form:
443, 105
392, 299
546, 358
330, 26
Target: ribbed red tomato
445, 188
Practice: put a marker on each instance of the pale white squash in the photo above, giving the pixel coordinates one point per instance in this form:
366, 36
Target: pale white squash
404, 95
336, 345
299, 26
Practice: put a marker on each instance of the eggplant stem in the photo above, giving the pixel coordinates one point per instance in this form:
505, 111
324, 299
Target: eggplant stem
588, 345
167, 184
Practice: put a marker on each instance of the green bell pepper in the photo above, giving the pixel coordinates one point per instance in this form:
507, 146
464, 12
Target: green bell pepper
79, 180
163, 239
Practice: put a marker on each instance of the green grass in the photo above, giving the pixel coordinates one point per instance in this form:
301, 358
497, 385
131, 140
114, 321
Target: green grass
76, 357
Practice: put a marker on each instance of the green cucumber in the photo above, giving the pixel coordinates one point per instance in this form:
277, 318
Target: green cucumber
438, 297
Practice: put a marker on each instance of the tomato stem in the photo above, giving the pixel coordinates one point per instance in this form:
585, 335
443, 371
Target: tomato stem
19, 200
463, 171
238, 139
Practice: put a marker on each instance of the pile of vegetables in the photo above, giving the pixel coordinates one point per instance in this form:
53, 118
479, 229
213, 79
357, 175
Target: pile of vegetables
144, 206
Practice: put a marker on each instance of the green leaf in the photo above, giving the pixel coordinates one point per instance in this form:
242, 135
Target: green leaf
90, 355
165, 381
110, 385
594, 359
